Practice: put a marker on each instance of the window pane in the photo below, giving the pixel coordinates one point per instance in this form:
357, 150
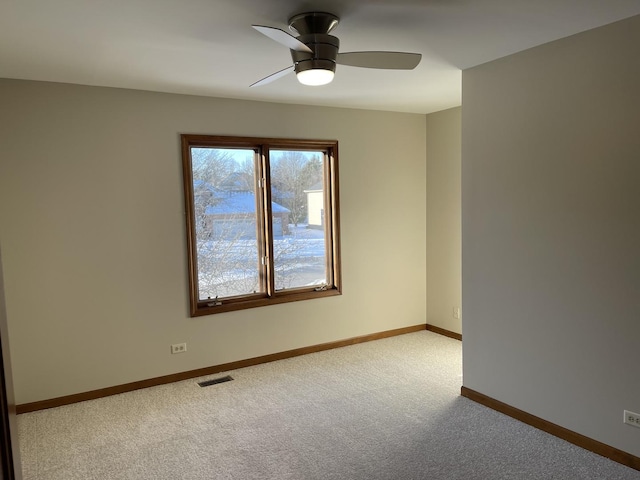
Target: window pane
225, 222
297, 194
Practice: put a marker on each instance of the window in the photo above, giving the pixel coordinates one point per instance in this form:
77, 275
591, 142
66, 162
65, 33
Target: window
262, 221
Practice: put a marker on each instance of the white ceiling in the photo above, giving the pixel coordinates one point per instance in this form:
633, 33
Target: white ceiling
207, 47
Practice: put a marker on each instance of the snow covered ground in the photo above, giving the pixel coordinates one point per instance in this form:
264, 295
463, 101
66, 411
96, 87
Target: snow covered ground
229, 267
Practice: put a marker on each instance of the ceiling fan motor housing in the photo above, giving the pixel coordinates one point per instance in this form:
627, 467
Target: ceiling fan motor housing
323, 56
313, 22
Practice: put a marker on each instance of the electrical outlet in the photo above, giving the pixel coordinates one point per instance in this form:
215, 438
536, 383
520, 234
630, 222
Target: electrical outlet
456, 313
631, 418
178, 348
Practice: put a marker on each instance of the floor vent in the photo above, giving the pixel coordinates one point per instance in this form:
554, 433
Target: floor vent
215, 381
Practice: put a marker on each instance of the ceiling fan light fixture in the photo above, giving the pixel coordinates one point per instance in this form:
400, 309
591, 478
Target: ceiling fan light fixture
315, 77
313, 71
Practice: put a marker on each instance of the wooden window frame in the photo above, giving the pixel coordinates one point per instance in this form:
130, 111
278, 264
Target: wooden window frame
268, 295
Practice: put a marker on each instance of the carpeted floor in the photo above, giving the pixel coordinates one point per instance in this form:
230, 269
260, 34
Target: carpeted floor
388, 409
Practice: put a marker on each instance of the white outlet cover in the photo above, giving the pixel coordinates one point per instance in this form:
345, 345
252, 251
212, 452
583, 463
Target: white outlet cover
631, 418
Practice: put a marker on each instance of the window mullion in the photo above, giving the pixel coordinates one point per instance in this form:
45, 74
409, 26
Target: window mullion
260, 228
267, 240
332, 232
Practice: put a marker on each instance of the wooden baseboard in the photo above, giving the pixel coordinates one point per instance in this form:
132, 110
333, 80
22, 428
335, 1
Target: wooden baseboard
570, 436
442, 331
201, 372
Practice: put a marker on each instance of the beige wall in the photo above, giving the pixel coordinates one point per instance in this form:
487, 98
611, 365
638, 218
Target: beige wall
443, 219
92, 233
551, 231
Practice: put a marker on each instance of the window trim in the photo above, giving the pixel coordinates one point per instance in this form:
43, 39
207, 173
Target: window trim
263, 208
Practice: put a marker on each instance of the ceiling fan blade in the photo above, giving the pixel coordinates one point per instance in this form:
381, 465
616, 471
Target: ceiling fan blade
272, 77
390, 60
283, 37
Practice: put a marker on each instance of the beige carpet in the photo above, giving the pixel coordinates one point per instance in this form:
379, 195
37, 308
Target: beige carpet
388, 409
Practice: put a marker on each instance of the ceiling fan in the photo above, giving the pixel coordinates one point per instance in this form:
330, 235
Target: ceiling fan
315, 53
